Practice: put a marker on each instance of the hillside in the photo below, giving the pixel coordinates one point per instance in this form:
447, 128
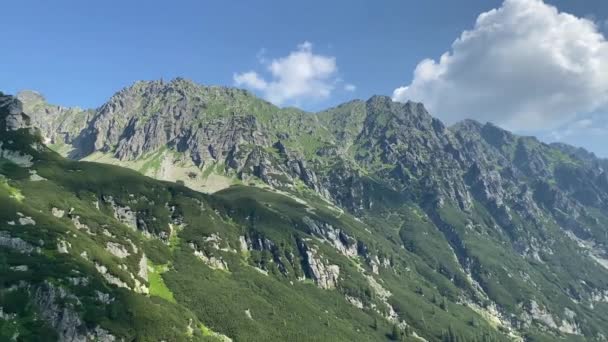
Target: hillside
368, 221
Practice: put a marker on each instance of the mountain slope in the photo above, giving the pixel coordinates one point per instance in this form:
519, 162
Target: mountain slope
374, 210
91, 251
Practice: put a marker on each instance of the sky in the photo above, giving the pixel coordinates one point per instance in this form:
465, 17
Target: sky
534, 67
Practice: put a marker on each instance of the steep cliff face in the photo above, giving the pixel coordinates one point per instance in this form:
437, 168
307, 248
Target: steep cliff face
462, 221
148, 116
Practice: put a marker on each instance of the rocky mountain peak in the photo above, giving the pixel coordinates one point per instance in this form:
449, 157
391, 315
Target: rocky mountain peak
379, 101
382, 110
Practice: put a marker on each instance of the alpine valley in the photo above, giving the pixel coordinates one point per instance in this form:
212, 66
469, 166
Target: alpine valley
182, 212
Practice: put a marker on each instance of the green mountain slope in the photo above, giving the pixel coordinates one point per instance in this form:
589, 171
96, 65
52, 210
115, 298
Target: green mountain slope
368, 221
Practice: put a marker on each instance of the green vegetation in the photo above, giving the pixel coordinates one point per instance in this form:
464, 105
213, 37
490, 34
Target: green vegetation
179, 282
152, 162
9, 190
157, 283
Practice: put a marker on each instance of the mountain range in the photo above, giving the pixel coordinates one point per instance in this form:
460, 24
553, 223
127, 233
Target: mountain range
177, 211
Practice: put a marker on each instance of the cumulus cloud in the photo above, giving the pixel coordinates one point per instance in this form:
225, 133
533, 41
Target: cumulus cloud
301, 75
250, 79
525, 66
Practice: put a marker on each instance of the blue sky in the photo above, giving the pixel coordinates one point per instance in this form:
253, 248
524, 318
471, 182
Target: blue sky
81, 52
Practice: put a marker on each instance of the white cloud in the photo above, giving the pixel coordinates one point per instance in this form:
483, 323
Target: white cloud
250, 79
525, 66
301, 75
350, 87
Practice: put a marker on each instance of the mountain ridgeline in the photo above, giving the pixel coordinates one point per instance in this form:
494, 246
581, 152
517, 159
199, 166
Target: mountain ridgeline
369, 221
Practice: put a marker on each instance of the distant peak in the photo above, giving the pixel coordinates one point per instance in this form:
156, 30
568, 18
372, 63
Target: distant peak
380, 99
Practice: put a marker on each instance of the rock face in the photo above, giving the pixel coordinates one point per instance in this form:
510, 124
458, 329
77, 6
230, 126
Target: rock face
58, 125
326, 276
117, 250
15, 119
53, 305
339, 239
216, 263
123, 214
415, 145
148, 116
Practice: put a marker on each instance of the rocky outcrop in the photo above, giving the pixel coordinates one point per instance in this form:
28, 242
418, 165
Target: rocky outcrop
259, 243
110, 278
325, 275
63, 247
79, 225
143, 267
16, 244
537, 313
117, 250
59, 309
214, 262
336, 237
25, 220
123, 214
57, 212
261, 164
